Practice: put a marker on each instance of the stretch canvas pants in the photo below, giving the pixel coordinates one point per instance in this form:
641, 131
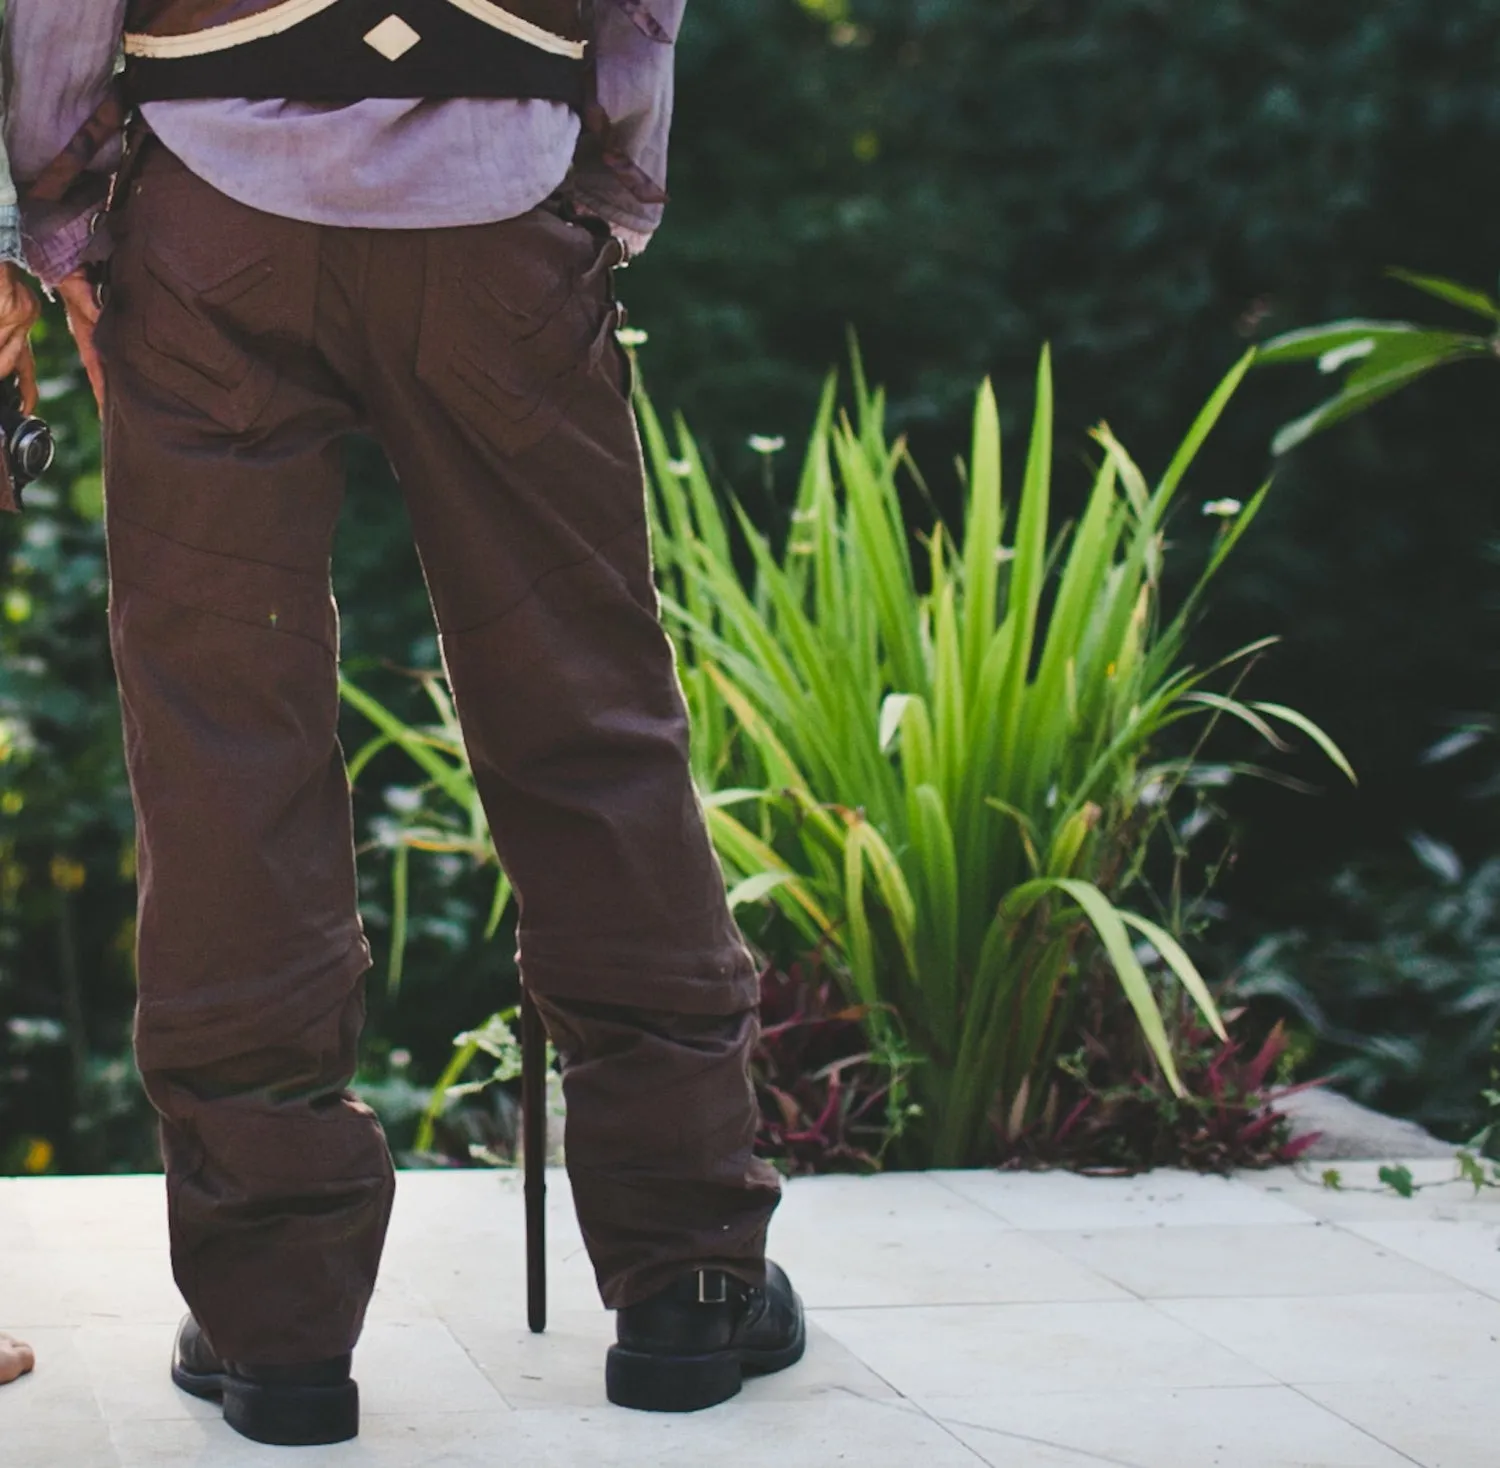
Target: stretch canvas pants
241, 351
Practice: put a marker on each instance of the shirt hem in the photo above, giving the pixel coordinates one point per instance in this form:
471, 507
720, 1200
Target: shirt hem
349, 213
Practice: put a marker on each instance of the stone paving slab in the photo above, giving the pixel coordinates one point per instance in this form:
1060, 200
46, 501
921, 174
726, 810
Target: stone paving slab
957, 1320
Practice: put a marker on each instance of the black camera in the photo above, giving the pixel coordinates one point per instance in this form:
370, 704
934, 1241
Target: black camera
27, 441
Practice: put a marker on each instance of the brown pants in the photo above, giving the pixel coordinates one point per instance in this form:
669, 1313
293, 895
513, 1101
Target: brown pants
241, 350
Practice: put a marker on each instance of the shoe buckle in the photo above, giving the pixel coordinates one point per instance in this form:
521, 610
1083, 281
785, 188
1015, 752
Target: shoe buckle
713, 1288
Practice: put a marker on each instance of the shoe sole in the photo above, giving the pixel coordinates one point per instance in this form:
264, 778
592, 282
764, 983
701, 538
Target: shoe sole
649, 1382
282, 1416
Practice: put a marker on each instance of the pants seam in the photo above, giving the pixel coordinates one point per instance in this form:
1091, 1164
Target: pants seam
122, 580
122, 518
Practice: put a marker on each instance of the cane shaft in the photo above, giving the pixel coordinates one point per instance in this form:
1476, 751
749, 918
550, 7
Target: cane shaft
534, 1151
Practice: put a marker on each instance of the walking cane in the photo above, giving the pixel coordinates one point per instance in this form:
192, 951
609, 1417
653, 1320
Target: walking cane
534, 1147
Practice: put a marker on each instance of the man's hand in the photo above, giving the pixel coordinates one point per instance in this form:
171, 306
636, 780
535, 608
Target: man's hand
19, 310
82, 306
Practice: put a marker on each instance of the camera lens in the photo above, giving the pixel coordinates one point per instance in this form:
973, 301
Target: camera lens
31, 449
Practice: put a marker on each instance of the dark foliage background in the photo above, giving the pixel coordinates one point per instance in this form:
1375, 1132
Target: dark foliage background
1148, 184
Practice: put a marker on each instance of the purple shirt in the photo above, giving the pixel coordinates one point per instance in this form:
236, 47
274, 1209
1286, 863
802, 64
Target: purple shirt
379, 164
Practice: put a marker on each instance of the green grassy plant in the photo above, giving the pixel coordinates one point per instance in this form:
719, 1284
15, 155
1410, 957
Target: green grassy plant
934, 754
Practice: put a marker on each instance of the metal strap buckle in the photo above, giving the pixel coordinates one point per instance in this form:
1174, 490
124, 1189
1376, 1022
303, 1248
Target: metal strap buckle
713, 1288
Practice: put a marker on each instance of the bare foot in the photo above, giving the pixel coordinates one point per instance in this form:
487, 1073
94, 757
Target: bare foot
15, 1359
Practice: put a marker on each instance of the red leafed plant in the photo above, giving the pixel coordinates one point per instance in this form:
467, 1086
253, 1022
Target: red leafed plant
828, 1102
1094, 1122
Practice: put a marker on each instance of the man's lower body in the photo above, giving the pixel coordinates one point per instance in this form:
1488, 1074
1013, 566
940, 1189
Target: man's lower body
241, 351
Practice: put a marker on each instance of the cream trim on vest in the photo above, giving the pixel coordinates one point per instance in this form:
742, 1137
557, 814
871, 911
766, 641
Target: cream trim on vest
222, 37
523, 30
293, 12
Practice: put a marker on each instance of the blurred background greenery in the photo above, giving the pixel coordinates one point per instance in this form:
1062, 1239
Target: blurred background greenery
1147, 184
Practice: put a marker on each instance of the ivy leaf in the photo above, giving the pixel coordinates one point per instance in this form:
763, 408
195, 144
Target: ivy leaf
1471, 1171
1399, 1179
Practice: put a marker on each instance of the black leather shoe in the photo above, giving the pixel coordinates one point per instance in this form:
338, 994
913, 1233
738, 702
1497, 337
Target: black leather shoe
690, 1346
289, 1406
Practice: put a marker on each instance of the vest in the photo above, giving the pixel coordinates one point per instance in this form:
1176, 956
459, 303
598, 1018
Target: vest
347, 50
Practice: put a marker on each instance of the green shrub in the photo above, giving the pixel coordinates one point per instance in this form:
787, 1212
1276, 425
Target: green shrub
945, 753
1396, 989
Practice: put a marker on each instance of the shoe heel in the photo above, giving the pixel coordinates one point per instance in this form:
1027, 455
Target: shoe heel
292, 1416
652, 1383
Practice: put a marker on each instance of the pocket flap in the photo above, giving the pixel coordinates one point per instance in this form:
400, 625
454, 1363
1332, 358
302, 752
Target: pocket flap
205, 276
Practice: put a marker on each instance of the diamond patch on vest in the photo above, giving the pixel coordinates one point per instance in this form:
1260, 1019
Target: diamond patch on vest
393, 38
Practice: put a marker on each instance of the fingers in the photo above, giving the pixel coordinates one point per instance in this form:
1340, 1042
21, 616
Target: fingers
95, 369
83, 335
10, 355
19, 307
82, 306
19, 312
77, 294
25, 370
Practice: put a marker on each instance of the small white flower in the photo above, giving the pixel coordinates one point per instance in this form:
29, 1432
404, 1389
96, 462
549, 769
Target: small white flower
1200, 820
632, 336
1223, 509
764, 444
385, 832
403, 799
680, 468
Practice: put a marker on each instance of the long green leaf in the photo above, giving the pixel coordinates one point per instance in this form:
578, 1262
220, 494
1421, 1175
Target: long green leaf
1028, 569
1309, 343
1176, 958
1198, 434
983, 524
400, 907
751, 855
1110, 926
1463, 296
861, 944
449, 775
1313, 731
1235, 709
1356, 398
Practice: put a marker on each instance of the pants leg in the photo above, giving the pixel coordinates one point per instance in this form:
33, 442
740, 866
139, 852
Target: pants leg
497, 389
224, 459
